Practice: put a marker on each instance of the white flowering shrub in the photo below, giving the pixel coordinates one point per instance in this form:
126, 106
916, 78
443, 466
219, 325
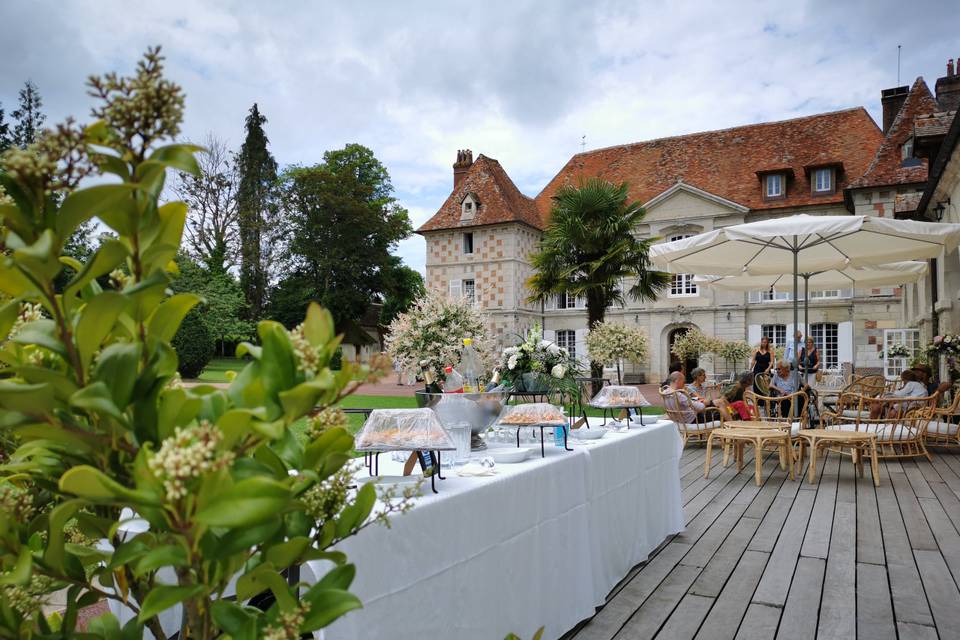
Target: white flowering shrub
100, 422
429, 336
692, 344
734, 352
610, 342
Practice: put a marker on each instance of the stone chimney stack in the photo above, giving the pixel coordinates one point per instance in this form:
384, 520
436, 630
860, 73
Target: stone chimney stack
948, 88
461, 166
891, 100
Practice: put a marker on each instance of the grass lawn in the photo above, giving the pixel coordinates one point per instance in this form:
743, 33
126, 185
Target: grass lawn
216, 370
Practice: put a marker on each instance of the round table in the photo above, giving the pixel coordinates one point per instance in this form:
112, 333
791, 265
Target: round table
858, 442
757, 435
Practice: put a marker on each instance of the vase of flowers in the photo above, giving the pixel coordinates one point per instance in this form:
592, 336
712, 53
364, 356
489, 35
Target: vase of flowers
429, 336
538, 366
947, 345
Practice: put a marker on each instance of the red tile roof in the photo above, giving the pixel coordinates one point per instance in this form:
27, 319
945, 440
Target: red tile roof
887, 165
726, 162
500, 200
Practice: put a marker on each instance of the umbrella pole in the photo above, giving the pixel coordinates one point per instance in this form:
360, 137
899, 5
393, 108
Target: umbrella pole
806, 304
796, 318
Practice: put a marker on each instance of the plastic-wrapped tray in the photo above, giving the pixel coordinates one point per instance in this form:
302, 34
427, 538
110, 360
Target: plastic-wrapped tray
534, 413
403, 430
619, 397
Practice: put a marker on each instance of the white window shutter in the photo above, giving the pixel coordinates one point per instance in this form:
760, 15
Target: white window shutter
845, 342
754, 296
550, 303
455, 291
753, 334
550, 335
581, 342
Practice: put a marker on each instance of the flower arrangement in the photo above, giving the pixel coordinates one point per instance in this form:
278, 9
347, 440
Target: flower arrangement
611, 342
538, 362
429, 336
899, 350
947, 345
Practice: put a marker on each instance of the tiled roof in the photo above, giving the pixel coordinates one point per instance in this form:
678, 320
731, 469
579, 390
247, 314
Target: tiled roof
933, 124
500, 200
726, 162
887, 167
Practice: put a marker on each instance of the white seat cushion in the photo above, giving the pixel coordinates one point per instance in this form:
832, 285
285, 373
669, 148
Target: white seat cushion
697, 426
942, 428
885, 432
855, 413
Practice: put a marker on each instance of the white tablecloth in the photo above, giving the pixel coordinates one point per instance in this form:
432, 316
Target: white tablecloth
542, 543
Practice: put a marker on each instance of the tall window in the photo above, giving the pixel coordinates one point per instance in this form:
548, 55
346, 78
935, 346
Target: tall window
569, 301
823, 180
775, 333
567, 339
894, 366
824, 336
467, 244
470, 291
682, 283
770, 295
775, 185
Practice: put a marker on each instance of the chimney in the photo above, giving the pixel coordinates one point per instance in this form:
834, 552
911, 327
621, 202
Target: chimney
461, 166
892, 100
948, 88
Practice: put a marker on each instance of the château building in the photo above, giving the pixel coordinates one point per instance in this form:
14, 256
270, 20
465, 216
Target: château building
480, 239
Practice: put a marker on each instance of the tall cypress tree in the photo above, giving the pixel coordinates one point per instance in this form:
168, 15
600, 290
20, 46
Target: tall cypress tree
5, 141
28, 115
258, 175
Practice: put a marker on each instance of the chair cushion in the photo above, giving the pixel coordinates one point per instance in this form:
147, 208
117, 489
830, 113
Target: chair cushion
697, 426
942, 428
885, 432
855, 413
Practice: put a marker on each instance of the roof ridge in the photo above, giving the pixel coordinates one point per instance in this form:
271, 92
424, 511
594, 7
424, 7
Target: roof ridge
723, 130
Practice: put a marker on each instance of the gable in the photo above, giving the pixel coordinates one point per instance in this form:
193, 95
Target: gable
684, 201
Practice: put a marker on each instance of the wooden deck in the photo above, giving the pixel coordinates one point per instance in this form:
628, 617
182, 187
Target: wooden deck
837, 559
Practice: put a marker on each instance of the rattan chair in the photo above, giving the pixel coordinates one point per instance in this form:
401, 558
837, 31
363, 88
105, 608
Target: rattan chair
697, 431
942, 428
868, 386
761, 382
900, 428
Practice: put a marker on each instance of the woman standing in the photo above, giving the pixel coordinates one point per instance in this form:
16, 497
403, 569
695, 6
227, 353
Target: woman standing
762, 360
809, 362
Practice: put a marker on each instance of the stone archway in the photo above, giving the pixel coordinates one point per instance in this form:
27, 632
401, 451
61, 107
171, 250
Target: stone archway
671, 333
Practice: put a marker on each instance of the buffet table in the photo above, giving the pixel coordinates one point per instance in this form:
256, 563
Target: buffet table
541, 543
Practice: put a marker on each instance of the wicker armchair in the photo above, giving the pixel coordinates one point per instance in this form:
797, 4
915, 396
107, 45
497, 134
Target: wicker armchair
697, 431
942, 427
788, 409
900, 428
868, 386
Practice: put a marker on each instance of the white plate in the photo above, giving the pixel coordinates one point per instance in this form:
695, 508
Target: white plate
588, 434
382, 483
508, 456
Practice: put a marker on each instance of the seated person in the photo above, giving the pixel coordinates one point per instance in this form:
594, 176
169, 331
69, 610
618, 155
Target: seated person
688, 406
697, 387
674, 367
733, 406
912, 388
785, 383
925, 377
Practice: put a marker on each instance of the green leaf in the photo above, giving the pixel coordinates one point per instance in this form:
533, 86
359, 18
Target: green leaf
266, 576
131, 550
238, 621
96, 322
96, 398
166, 319
318, 326
242, 539
326, 605
43, 333
110, 254
117, 367
61, 514
13, 282
177, 156
278, 365
169, 555
301, 399
8, 317
338, 578
92, 484
110, 200
250, 501
106, 626
31, 399
355, 514
331, 441
42, 258
163, 597
20, 574
286, 553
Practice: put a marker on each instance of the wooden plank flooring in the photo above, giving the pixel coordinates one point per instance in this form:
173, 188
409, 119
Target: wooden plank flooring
790, 560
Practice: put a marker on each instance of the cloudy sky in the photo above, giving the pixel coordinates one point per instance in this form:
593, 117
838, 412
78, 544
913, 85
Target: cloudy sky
517, 80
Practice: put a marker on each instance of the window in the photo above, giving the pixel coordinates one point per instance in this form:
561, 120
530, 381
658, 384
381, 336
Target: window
770, 295
567, 339
470, 292
570, 301
894, 366
775, 333
824, 336
467, 244
906, 151
682, 285
823, 180
775, 185
469, 207
776, 295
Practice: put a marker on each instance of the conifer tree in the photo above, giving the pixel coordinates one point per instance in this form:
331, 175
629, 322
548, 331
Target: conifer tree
258, 175
5, 140
28, 116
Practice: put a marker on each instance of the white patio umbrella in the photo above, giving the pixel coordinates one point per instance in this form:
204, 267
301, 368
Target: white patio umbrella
805, 244
895, 273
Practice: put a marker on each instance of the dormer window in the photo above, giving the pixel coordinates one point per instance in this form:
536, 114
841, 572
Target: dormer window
469, 207
775, 184
906, 151
822, 180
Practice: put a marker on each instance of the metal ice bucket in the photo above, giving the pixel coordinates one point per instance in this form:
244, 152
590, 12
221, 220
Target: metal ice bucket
479, 409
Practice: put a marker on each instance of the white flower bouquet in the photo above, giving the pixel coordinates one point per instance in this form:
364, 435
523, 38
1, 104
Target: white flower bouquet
539, 363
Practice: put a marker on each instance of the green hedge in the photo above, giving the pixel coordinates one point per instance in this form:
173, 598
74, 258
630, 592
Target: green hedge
194, 345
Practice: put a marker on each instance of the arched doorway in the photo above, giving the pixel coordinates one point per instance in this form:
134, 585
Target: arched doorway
691, 363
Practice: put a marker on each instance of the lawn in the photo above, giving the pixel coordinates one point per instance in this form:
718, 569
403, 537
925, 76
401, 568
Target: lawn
216, 370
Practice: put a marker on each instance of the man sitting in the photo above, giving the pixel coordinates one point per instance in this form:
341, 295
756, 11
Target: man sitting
688, 406
912, 388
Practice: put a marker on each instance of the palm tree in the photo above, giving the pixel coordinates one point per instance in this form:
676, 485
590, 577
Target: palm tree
589, 248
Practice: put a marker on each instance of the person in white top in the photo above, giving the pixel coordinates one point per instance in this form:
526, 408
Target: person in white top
791, 352
912, 388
